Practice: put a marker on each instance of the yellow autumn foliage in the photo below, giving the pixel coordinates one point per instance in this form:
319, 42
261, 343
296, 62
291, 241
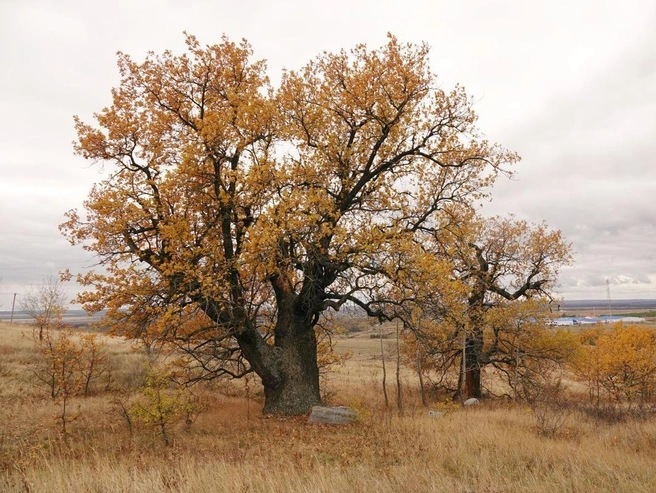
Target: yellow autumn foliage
621, 365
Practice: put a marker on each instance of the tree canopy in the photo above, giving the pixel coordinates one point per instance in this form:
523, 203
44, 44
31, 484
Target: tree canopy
234, 214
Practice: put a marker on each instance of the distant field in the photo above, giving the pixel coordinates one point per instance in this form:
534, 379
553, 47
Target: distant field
630, 304
230, 447
79, 316
617, 307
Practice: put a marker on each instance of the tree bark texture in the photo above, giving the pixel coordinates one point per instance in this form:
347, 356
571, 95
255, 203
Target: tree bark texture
297, 390
473, 364
288, 368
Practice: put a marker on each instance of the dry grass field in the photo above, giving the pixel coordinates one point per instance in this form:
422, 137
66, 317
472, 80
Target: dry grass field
231, 447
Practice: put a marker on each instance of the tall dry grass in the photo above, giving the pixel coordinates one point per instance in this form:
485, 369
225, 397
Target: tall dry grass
232, 448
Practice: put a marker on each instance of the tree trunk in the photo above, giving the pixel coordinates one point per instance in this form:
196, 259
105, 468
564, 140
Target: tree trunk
473, 354
298, 389
288, 369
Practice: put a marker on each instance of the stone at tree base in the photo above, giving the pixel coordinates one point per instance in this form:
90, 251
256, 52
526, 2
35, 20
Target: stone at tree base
341, 415
472, 402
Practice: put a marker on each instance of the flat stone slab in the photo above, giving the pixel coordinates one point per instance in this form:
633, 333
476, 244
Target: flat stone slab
340, 415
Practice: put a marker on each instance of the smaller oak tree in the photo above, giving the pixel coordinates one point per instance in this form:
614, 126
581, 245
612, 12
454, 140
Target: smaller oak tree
503, 272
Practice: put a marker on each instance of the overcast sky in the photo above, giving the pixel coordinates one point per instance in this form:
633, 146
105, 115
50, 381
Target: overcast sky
568, 84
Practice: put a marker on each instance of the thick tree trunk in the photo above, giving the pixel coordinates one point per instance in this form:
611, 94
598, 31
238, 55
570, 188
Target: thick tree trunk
295, 388
288, 369
298, 389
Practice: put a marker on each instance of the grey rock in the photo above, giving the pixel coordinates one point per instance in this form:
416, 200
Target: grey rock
472, 402
436, 414
341, 415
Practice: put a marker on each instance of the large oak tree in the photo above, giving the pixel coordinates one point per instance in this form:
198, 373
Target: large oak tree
233, 215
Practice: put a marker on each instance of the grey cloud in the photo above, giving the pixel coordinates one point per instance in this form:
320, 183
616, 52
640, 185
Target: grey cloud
588, 170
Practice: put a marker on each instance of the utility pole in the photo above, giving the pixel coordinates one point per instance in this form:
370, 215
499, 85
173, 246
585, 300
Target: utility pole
519, 328
13, 304
399, 392
464, 362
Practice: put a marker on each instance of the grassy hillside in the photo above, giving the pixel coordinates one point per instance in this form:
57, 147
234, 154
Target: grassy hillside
230, 447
